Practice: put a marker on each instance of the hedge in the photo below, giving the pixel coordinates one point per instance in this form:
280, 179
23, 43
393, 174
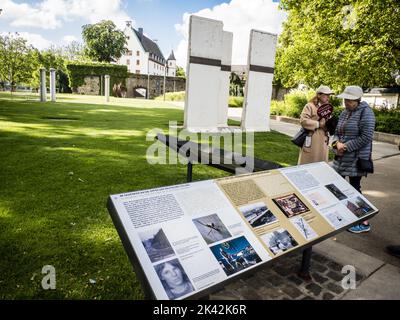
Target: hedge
78, 71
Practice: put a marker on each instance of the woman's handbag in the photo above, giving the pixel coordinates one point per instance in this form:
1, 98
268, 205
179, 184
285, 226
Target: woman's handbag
365, 165
300, 137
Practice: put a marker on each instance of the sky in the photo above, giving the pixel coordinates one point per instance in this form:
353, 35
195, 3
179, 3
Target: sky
57, 22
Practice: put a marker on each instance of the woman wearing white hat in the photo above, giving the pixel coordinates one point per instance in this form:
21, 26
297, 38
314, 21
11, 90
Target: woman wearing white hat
352, 142
315, 148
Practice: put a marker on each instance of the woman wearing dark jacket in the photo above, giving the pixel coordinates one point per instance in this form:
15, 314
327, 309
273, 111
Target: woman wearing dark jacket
353, 140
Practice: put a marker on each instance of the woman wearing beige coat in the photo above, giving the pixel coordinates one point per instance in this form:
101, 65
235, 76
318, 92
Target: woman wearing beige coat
315, 149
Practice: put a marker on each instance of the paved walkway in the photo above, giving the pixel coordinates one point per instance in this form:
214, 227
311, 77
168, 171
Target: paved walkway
379, 272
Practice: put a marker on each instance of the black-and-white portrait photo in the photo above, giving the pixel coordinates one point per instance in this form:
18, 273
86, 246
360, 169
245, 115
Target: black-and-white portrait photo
174, 279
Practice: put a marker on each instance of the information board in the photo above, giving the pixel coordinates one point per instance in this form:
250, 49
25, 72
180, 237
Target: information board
185, 239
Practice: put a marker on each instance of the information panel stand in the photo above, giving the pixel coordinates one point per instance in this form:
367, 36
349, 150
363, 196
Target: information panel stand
188, 240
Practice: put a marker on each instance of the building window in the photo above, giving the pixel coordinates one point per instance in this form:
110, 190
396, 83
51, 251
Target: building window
128, 52
137, 62
137, 71
127, 38
138, 53
128, 61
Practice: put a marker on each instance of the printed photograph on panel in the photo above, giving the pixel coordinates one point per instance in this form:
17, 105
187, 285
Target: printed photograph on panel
258, 214
174, 279
291, 205
336, 192
156, 244
211, 228
304, 228
336, 219
279, 241
235, 255
359, 207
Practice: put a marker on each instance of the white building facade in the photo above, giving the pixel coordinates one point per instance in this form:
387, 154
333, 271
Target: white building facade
143, 56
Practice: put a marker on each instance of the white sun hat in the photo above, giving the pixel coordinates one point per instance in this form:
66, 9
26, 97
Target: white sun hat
325, 90
352, 93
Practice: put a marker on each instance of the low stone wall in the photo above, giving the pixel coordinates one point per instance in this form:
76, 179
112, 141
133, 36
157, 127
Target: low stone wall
286, 119
91, 86
387, 137
378, 136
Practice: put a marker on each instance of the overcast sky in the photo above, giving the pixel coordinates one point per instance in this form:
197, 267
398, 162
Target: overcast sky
47, 22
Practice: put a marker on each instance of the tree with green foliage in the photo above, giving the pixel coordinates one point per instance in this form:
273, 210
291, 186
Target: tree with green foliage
339, 42
49, 59
180, 72
16, 58
104, 42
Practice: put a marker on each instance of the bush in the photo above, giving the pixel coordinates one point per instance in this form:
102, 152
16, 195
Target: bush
173, 96
277, 108
235, 102
77, 71
387, 121
294, 102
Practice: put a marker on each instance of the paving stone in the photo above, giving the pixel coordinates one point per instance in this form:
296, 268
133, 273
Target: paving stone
291, 291
334, 266
335, 288
224, 295
314, 288
247, 293
319, 278
270, 293
319, 258
285, 271
359, 277
255, 282
328, 296
318, 267
335, 276
295, 279
275, 280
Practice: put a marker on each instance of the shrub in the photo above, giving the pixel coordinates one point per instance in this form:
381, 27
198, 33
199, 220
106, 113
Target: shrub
173, 96
387, 121
235, 102
277, 108
77, 71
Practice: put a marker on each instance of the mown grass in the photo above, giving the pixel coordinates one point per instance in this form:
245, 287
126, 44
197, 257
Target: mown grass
59, 163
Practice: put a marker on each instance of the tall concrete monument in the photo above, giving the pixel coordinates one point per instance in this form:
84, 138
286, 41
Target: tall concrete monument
203, 74
208, 78
258, 91
225, 78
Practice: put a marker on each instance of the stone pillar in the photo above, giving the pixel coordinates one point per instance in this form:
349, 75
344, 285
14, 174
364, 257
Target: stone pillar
107, 88
43, 89
203, 74
258, 91
225, 78
53, 84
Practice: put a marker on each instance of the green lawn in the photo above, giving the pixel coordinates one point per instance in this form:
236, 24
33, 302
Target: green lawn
59, 163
